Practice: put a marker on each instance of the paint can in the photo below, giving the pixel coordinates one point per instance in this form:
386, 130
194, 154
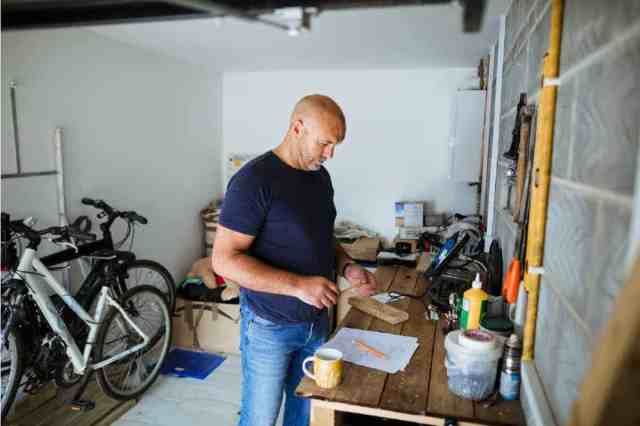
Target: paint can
510, 373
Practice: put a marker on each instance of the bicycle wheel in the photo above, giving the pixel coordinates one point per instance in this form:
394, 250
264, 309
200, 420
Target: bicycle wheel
148, 272
11, 370
131, 376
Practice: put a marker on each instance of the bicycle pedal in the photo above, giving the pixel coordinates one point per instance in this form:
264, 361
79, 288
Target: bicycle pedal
82, 405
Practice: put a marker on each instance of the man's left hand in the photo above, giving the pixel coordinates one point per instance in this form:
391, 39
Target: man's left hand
363, 281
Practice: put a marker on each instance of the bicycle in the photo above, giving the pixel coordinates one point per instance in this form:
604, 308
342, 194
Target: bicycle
138, 271
125, 341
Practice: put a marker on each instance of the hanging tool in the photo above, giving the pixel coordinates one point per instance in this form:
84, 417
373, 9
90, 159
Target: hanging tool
510, 176
512, 154
522, 162
514, 273
513, 276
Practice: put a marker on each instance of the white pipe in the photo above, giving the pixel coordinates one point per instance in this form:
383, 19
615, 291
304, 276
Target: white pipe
485, 140
495, 144
62, 216
62, 213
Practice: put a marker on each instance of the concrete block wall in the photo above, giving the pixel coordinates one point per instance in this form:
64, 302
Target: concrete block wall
595, 158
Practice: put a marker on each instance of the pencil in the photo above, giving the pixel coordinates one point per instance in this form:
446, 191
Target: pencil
364, 347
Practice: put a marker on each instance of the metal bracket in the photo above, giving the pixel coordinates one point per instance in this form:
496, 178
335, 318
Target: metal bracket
537, 270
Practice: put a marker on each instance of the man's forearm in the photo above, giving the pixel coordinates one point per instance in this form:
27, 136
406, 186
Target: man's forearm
251, 273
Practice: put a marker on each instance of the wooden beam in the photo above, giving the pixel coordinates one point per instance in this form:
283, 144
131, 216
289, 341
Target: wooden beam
610, 389
324, 416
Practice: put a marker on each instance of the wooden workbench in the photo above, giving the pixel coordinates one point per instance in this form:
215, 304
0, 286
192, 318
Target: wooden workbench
418, 394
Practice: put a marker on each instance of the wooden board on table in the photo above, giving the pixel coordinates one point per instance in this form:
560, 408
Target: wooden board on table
441, 401
379, 310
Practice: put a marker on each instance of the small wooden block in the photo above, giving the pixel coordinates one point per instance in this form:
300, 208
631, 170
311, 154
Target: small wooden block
379, 310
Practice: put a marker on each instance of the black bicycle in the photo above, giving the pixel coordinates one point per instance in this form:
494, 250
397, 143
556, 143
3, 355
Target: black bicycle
135, 272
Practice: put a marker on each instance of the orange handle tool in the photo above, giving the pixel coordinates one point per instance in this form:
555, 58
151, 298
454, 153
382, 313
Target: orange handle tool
512, 281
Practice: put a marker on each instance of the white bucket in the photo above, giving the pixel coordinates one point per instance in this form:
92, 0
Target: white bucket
471, 372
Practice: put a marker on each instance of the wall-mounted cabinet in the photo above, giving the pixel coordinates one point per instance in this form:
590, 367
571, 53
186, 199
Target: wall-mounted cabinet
465, 137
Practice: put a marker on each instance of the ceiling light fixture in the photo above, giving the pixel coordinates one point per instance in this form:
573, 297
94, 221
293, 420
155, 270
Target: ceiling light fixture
296, 19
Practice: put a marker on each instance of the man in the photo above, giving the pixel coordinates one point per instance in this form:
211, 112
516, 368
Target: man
275, 239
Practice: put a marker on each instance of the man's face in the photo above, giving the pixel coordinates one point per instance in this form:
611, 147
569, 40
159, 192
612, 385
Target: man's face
318, 142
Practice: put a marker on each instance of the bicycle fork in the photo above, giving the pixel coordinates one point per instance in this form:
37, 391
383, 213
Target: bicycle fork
104, 299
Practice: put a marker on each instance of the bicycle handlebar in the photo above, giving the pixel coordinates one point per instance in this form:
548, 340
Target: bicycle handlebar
129, 215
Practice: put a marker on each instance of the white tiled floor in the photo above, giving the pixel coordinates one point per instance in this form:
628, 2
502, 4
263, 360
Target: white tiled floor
172, 400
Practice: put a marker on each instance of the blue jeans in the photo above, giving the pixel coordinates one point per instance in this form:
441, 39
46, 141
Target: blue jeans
272, 356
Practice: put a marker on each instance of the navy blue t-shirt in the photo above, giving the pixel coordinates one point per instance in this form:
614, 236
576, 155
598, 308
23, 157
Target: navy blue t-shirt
291, 214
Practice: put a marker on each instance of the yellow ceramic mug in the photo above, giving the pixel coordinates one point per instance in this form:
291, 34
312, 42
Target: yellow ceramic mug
327, 367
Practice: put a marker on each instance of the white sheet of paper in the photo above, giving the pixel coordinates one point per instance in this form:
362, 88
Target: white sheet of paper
398, 349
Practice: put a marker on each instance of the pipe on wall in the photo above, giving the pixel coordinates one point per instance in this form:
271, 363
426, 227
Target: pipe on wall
542, 177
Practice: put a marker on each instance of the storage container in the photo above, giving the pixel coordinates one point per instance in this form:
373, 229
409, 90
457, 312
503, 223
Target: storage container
471, 371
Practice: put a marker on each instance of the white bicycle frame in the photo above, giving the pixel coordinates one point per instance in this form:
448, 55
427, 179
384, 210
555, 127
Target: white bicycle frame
38, 278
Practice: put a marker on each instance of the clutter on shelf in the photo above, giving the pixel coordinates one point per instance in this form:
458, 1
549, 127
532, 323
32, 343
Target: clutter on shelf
347, 231
202, 284
360, 243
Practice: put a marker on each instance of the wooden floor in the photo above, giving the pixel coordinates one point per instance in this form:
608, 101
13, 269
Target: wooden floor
47, 408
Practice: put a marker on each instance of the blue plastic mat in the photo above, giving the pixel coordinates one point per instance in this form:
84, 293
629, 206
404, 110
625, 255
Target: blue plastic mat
184, 363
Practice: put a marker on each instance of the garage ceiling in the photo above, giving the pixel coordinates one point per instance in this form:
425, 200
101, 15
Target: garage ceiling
30, 14
227, 37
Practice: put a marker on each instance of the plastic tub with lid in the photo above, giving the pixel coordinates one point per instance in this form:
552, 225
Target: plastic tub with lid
472, 363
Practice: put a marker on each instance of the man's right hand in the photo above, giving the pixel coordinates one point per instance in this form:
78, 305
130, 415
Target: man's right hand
317, 291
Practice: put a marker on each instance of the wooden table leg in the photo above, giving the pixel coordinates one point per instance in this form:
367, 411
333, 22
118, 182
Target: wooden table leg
324, 416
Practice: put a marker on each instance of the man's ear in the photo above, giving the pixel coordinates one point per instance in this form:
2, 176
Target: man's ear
298, 128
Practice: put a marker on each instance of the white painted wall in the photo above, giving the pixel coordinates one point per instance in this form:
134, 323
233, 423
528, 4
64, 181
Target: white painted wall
142, 131
398, 124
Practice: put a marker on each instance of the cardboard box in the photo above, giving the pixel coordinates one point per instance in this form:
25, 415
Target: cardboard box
409, 233
210, 327
363, 249
409, 214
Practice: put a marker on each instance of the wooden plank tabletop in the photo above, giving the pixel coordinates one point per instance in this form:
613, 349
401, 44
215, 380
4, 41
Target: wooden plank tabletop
422, 387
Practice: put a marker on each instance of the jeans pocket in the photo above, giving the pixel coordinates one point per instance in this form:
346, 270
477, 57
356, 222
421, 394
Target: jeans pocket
263, 322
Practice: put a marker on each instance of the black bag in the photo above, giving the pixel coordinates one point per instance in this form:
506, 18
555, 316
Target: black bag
196, 290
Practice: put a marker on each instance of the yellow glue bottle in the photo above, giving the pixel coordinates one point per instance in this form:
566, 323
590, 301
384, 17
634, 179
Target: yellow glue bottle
474, 306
